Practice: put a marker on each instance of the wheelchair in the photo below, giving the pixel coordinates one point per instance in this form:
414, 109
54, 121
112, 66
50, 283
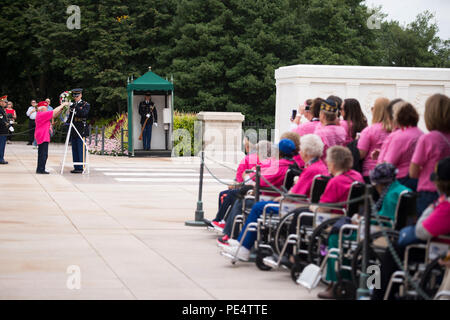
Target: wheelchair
264, 194
351, 248
404, 213
427, 272
273, 229
311, 238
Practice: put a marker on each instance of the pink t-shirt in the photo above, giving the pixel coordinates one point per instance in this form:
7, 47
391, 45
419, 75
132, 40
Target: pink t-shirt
345, 124
399, 147
371, 138
338, 188
298, 159
274, 171
249, 161
306, 128
42, 131
304, 183
438, 222
430, 149
331, 135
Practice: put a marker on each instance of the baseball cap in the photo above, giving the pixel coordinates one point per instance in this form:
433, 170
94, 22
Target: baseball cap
286, 146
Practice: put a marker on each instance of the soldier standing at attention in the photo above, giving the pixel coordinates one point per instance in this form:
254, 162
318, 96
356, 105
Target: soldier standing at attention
3, 129
81, 109
149, 117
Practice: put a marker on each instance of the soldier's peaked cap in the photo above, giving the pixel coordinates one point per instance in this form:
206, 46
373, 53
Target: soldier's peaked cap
77, 91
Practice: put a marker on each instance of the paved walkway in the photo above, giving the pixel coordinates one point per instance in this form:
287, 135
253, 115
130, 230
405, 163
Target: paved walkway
127, 236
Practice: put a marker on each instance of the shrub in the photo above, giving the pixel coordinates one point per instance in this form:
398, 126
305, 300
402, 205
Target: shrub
185, 121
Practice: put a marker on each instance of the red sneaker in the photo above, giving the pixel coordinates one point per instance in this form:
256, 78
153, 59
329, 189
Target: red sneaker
223, 241
218, 225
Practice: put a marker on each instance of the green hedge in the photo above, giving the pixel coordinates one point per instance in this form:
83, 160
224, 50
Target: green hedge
185, 121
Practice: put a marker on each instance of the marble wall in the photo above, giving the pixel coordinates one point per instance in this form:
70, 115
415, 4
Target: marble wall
295, 84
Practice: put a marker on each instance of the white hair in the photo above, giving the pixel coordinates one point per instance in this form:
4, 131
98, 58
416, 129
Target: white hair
311, 145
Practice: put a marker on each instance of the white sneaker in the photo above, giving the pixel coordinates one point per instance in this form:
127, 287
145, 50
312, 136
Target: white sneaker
233, 242
242, 252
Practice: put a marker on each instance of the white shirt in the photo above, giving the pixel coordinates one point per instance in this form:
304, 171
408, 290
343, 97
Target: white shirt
30, 114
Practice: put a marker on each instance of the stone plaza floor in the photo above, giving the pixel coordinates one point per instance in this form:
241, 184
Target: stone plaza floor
123, 226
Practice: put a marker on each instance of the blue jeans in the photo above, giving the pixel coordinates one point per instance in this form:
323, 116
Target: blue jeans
407, 236
77, 151
256, 212
147, 136
2, 147
424, 199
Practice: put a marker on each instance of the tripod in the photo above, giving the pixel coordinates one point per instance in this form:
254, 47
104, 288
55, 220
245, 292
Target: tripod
85, 158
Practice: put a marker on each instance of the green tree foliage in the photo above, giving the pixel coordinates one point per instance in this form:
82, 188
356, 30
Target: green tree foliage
222, 53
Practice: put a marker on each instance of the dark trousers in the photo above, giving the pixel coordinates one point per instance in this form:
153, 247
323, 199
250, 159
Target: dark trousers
229, 196
2, 147
77, 151
31, 127
409, 182
42, 157
424, 199
147, 136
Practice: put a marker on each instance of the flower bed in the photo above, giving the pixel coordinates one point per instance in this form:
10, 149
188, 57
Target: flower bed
112, 143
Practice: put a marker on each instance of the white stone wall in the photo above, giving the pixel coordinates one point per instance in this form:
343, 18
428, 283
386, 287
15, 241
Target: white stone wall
295, 84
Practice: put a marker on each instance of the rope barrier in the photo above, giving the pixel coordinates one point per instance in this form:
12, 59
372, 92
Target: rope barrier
221, 164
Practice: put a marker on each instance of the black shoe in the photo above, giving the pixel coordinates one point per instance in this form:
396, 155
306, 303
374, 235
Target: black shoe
3, 162
42, 172
76, 171
208, 223
29, 143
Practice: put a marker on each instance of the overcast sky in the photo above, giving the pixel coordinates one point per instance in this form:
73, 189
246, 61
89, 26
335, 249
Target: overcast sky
405, 11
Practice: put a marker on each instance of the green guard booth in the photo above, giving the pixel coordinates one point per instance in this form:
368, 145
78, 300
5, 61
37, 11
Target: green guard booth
162, 95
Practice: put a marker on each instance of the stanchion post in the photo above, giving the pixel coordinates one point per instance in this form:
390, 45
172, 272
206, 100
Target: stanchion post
199, 214
103, 140
363, 292
257, 182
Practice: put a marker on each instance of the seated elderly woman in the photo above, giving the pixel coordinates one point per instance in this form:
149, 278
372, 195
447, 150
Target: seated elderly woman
255, 154
272, 174
311, 149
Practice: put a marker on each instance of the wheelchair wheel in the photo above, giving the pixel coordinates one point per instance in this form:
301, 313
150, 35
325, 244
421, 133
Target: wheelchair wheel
318, 243
260, 255
282, 232
344, 290
296, 271
377, 250
432, 278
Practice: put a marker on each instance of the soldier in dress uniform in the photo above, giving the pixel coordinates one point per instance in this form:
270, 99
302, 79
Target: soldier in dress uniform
149, 117
81, 109
3, 129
